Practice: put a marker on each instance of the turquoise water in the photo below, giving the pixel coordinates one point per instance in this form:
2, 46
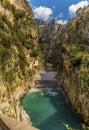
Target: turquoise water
49, 109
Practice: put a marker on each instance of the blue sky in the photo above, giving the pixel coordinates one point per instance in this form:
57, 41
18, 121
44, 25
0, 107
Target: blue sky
62, 10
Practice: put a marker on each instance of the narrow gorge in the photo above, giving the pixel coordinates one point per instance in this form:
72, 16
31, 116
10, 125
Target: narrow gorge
44, 70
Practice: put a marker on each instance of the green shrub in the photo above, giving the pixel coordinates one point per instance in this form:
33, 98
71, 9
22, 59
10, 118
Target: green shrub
76, 61
21, 37
5, 56
19, 14
10, 77
74, 48
6, 4
84, 127
81, 127
40, 31
31, 73
22, 60
17, 26
85, 78
2, 26
15, 40
6, 40
5, 19
34, 53
13, 9
27, 3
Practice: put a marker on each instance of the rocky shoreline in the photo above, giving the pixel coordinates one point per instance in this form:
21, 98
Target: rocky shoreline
17, 116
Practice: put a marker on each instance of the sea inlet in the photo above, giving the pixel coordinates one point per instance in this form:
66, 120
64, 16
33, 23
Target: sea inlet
48, 106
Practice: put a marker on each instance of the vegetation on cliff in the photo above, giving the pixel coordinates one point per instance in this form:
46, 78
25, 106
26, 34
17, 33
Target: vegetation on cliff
18, 40
75, 77
73, 41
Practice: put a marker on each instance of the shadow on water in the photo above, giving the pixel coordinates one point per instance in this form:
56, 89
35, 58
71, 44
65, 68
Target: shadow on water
64, 112
50, 109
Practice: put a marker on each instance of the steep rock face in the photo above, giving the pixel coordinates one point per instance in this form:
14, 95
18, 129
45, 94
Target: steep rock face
49, 31
75, 77
47, 39
74, 72
18, 39
41, 23
40, 27
77, 29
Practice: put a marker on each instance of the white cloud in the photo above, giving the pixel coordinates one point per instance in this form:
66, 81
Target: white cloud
42, 12
74, 7
63, 22
29, 1
60, 15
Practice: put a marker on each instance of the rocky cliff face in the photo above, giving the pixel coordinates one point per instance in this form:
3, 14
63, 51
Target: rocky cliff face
77, 29
49, 31
75, 77
41, 23
40, 27
18, 39
74, 72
